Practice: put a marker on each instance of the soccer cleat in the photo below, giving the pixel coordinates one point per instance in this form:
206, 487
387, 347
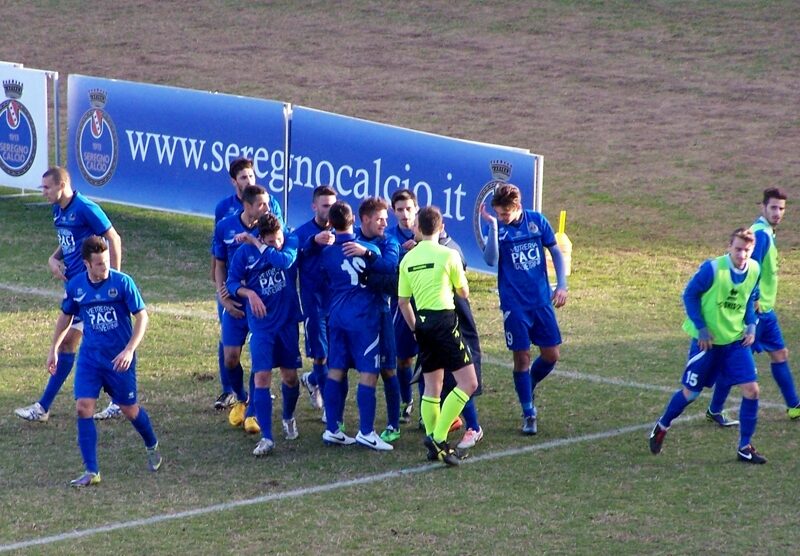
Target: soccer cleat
373, 441
111, 412
793, 412
85, 480
154, 459
314, 394
748, 454
721, 419
33, 412
224, 401
337, 437
264, 447
236, 416
390, 434
406, 411
529, 425
657, 438
251, 425
456, 424
441, 451
470, 438
290, 429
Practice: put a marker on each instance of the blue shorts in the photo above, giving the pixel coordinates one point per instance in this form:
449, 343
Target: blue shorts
524, 327
279, 348
387, 347
404, 341
730, 365
91, 377
769, 337
354, 349
316, 334
234, 331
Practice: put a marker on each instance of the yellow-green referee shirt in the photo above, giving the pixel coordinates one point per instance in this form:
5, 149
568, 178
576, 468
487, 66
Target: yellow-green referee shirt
428, 273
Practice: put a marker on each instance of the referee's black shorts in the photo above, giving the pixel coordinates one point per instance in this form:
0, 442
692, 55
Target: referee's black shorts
441, 345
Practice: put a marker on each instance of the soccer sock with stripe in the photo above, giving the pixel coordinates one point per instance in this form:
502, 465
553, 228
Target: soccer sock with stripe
332, 400
404, 375
224, 379
718, 397
675, 407
144, 428
54, 383
262, 401
87, 442
470, 414
391, 389
783, 376
539, 370
430, 411
451, 408
365, 398
748, 417
290, 394
522, 384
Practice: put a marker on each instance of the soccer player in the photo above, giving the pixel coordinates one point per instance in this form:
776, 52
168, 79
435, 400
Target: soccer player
721, 319
354, 333
75, 218
769, 337
313, 236
430, 273
105, 299
228, 236
516, 242
266, 268
373, 214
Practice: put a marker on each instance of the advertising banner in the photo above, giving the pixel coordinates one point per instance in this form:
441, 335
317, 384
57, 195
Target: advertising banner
165, 147
359, 159
24, 145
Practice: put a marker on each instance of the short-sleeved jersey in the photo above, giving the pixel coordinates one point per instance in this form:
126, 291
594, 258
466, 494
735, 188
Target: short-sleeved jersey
351, 305
308, 268
522, 272
224, 246
428, 274
233, 204
105, 308
272, 275
80, 219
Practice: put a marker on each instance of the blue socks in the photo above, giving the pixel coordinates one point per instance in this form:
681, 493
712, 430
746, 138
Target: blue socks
522, 384
319, 373
675, 407
54, 383
783, 376
224, 380
236, 382
87, 442
404, 375
250, 411
539, 370
365, 397
332, 400
470, 415
143, 427
290, 395
391, 389
721, 392
748, 416
262, 404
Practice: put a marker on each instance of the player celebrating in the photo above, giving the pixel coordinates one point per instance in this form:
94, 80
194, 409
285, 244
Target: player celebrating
354, 333
769, 337
105, 299
266, 269
719, 301
516, 242
430, 273
75, 218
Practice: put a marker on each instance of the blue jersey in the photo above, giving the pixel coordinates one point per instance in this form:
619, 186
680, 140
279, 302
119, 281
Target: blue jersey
272, 275
224, 246
105, 308
308, 267
388, 262
233, 204
701, 282
80, 219
401, 236
351, 305
521, 272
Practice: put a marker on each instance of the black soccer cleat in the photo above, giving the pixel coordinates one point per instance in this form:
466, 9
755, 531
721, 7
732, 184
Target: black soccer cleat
748, 454
441, 451
657, 438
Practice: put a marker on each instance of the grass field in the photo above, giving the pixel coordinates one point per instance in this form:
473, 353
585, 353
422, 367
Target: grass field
660, 124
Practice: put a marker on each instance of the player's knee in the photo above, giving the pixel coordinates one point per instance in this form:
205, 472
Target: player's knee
289, 377
779, 356
84, 407
690, 395
263, 379
551, 354
750, 390
131, 412
231, 360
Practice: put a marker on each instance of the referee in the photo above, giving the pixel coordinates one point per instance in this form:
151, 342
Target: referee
429, 273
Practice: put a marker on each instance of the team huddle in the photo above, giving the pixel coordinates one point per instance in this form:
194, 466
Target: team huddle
388, 302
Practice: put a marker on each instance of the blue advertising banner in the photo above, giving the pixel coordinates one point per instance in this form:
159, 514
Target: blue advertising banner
359, 159
168, 148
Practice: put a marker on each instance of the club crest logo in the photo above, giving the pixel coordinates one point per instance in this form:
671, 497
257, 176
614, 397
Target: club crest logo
17, 132
112, 292
501, 173
96, 142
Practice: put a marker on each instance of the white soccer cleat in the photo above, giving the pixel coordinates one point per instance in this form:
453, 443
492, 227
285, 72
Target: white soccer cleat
373, 441
470, 438
314, 394
33, 412
290, 429
264, 447
111, 412
337, 437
